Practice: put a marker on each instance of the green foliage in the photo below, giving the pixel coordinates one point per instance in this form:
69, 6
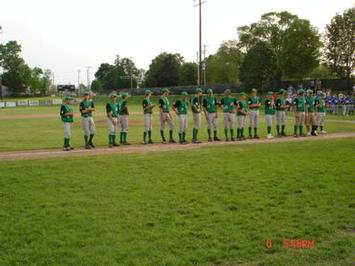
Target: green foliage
340, 44
188, 74
223, 67
117, 76
300, 51
294, 42
322, 71
164, 70
258, 66
96, 85
120, 210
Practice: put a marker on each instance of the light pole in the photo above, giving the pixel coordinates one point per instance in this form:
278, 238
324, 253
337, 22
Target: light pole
200, 3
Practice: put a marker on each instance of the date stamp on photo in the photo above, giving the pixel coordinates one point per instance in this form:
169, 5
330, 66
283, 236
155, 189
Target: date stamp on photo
293, 243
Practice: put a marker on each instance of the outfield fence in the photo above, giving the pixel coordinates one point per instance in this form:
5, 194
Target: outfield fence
30, 103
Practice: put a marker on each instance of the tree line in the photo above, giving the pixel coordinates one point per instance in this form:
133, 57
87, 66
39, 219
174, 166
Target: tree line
280, 46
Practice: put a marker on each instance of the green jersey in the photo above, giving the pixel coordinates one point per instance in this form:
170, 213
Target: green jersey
310, 102
86, 104
300, 103
254, 100
181, 107
65, 109
320, 104
281, 103
196, 105
147, 102
243, 107
228, 104
123, 107
210, 104
164, 104
269, 107
112, 108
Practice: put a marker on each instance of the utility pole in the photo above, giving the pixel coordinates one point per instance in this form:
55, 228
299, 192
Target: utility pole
79, 82
200, 3
88, 76
204, 64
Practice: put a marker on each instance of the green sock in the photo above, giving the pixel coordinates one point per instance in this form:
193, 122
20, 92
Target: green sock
125, 136
68, 142
113, 139
295, 129
278, 129
90, 139
255, 131
209, 133
65, 142
144, 136
183, 136
121, 137
249, 131
86, 140
226, 133
215, 133
242, 132
269, 130
170, 134
321, 128
232, 133
149, 134
301, 130
180, 137
109, 139
283, 129
194, 133
162, 135
238, 132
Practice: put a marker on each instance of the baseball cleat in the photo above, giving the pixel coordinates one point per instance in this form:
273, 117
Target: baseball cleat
323, 132
92, 145
269, 136
216, 139
209, 139
110, 146
232, 139
172, 141
115, 145
88, 147
256, 137
150, 141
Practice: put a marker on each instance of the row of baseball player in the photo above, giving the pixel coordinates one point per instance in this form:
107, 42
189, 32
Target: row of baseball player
308, 110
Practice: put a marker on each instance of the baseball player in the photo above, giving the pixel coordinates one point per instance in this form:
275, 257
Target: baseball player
254, 103
87, 107
228, 103
112, 115
180, 108
299, 105
241, 114
196, 104
269, 112
148, 112
320, 115
165, 116
66, 114
310, 116
123, 115
210, 105
281, 107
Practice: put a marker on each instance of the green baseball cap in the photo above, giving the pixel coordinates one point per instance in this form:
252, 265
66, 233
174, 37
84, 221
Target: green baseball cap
67, 98
270, 93
146, 92
198, 90
164, 90
242, 93
124, 94
184, 93
209, 91
310, 91
227, 91
254, 90
282, 91
113, 94
86, 92
300, 91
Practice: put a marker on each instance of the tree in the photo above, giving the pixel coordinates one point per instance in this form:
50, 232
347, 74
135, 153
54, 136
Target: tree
340, 44
188, 74
96, 85
258, 66
300, 51
164, 70
322, 72
275, 29
223, 67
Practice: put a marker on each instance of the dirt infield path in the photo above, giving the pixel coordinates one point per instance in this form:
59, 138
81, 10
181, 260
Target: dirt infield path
46, 154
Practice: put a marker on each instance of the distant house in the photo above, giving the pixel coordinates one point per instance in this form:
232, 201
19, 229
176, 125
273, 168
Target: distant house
5, 91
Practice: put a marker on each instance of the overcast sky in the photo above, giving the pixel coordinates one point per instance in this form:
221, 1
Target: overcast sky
67, 35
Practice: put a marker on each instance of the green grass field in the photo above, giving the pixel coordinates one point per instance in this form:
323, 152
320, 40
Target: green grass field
25, 133
167, 209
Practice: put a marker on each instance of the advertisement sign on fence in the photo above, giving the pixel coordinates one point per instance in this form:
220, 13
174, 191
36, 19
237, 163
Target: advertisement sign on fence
33, 102
10, 104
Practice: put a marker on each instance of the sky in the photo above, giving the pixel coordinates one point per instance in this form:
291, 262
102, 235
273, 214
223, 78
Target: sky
70, 35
